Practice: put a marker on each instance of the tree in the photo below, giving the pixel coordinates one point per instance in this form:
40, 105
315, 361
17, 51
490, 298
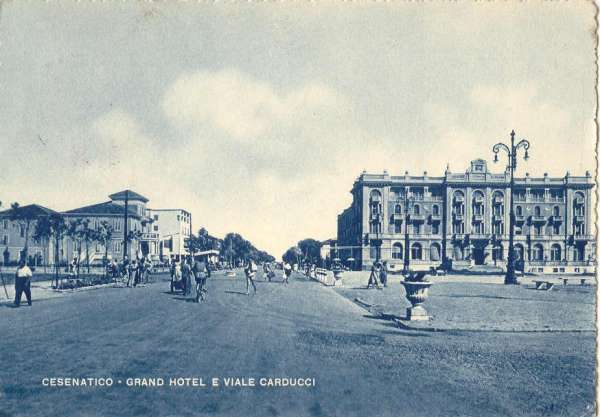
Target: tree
75, 232
311, 250
24, 218
292, 255
88, 236
53, 227
104, 235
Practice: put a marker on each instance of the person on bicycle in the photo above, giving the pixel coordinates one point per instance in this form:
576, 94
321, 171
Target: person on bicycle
201, 272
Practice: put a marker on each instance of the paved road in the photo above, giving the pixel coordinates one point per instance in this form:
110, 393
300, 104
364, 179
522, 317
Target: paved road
362, 366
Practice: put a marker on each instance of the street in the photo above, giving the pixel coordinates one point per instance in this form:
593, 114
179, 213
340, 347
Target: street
362, 366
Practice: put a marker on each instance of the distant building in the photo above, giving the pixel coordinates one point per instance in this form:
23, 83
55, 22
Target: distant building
462, 220
174, 227
12, 236
145, 242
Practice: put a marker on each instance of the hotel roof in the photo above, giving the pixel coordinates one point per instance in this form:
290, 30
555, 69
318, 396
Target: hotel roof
129, 195
32, 210
103, 209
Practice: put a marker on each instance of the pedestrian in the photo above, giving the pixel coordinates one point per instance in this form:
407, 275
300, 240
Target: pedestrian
268, 271
383, 273
287, 271
374, 277
23, 283
186, 275
201, 272
132, 272
250, 272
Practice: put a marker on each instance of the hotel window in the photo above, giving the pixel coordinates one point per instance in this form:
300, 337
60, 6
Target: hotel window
435, 229
5, 240
22, 231
156, 228
435, 210
537, 229
397, 227
156, 217
519, 210
398, 209
499, 228
555, 252
417, 210
556, 211
556, 229
458, 228
416, 251
580, 229
118, 225
397, 251
478, 228
537, 211
5, 224
416, 228
178, 217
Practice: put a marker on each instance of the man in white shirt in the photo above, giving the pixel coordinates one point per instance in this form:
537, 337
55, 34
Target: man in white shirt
23, 283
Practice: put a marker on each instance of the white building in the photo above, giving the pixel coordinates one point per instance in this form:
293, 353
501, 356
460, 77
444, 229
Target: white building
173, 226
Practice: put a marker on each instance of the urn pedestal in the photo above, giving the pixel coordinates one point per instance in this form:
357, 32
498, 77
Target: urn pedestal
338, 274
416, 293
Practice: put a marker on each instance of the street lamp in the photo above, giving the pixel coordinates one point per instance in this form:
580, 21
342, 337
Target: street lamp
408, 204
510, 277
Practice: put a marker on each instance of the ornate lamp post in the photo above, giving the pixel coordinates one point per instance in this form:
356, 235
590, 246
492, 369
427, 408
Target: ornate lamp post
511, 151
408, 204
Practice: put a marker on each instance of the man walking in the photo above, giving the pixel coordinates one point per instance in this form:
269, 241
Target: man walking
23, 283
287, 271
250, 271
186, 275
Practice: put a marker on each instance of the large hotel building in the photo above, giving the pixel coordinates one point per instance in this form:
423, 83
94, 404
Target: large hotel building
461, 221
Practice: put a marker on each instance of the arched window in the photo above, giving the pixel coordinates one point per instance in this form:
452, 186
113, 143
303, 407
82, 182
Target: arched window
519, 210
434, 252
556, 211
555, 254
478, 206
537, 211
458, 206
579, 204
538, 252
519, 252
398, 209
457, 252
417, 209
498, 203
416, 251
397, 251
435, 210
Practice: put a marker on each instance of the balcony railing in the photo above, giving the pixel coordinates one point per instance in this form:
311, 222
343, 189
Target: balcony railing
397, 217
557, 219
519, 218
477, 218
149, 236
579, 201
497, 218
579, 218
458, 216
435, 217
417, 217
538, 219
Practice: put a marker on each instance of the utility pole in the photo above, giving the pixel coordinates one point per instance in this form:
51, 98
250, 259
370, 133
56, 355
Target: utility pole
125, 228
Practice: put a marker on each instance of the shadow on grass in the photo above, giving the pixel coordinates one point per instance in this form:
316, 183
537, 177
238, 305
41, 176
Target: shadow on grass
235, 292
498, 297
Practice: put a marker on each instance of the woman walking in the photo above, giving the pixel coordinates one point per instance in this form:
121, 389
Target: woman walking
250, 271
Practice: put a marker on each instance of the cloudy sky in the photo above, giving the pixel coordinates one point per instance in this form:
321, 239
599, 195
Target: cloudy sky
258, 117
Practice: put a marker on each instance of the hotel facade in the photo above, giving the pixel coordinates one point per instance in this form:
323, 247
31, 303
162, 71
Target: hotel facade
461, 221
156, 233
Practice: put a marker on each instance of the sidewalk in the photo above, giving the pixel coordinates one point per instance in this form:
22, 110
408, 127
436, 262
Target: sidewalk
484, 303
40, 290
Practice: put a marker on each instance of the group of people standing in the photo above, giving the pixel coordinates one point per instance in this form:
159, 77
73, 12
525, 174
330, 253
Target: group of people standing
184, 271
378, 276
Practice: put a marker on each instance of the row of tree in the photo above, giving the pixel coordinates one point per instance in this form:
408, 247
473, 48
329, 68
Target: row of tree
307, 250
233, 248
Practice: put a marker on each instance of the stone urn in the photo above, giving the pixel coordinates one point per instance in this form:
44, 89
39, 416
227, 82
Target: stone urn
338, 271
416, 287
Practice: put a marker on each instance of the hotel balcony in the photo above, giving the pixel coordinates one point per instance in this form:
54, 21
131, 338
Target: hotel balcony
459, 198
417, 218
538, 219
579, 218
579, 201
519, 218
557, 219
458, 216
376, 216
498, 199
478, 199
435, 217
149, 236
478, 218
396, 217
497, 218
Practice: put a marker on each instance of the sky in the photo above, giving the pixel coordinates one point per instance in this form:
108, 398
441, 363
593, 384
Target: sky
258, 117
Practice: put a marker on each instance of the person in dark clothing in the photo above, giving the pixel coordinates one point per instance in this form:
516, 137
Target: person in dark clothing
23, 283
201, 272
383, 273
